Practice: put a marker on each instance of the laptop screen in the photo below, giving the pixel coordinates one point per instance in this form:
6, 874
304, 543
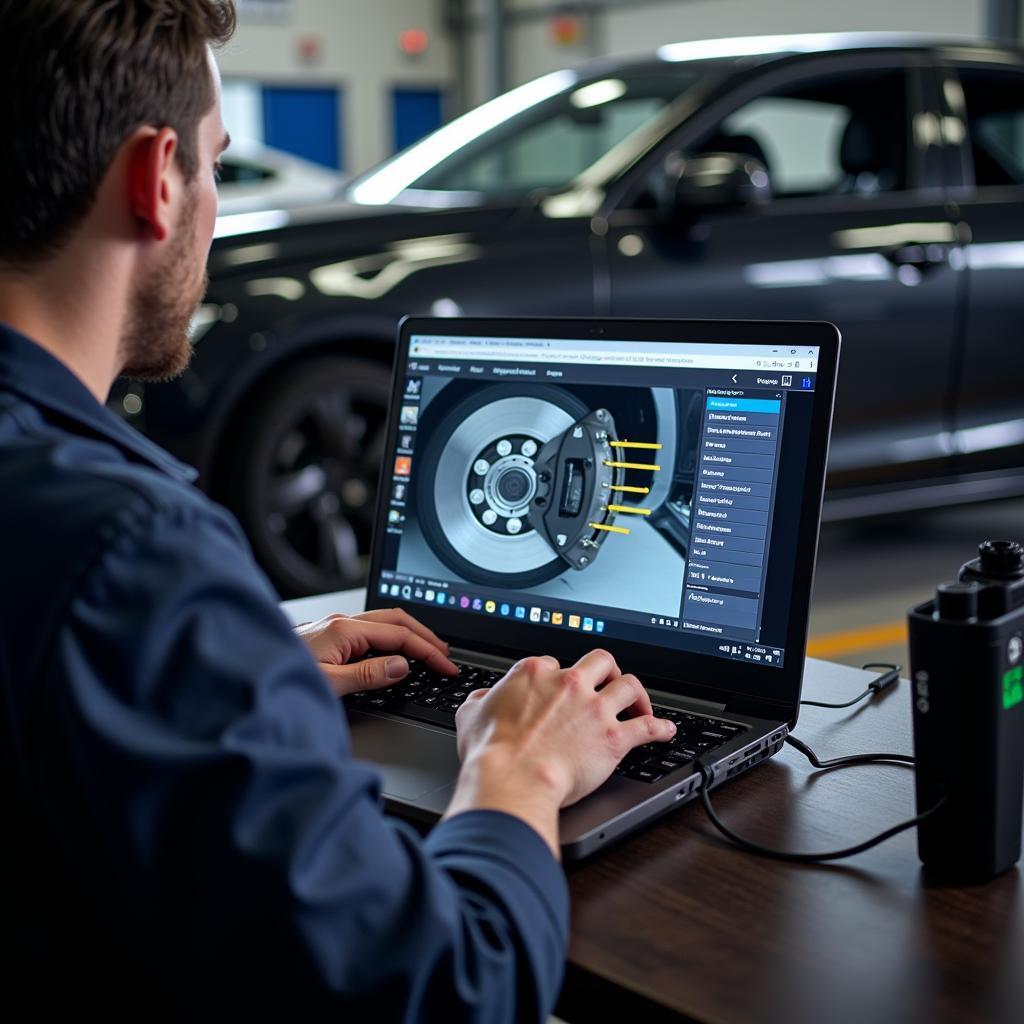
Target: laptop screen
618, 489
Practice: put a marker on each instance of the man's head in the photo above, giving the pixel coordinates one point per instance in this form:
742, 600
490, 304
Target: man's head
110, 116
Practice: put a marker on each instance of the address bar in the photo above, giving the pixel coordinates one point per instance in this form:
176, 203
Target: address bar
605, 356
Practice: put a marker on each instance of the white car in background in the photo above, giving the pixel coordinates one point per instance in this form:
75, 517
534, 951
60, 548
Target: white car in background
256, 177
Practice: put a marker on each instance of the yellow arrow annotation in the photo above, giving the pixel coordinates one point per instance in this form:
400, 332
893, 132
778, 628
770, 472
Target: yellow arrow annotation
628, 490
610, 529
635, 444
627, 508
632, 465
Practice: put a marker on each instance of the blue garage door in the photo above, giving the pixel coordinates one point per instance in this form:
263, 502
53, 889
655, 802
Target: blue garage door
415, 113
306, 122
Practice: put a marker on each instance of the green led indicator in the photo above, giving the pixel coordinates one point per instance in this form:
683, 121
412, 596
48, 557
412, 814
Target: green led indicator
1013, 687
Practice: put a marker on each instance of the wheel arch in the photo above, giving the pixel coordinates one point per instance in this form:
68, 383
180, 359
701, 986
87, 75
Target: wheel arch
370, 338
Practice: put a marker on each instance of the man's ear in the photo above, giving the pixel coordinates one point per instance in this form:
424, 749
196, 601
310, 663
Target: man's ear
151, 178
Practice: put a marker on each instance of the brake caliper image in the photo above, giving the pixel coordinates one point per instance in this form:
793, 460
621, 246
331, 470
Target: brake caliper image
578, 479
575, 477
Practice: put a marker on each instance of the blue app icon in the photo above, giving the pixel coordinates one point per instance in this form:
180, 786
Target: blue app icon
505, 609
441, 598
599, 626
520, 612
588, 625
806, 383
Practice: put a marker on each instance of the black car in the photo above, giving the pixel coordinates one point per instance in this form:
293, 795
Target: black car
873, 181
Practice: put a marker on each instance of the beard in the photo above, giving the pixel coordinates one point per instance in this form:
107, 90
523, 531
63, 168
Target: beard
155, 342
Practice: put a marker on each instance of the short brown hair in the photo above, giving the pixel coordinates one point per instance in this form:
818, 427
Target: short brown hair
77, 77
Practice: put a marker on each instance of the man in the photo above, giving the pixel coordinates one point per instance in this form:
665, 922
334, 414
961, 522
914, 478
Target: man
187, 834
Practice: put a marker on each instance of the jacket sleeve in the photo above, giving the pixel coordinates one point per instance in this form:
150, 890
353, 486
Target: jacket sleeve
198, 770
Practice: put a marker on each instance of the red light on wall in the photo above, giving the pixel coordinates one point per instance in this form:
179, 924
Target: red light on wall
309, 49
566, 29
413, 41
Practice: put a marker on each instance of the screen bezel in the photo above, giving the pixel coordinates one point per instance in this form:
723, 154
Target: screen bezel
741, 686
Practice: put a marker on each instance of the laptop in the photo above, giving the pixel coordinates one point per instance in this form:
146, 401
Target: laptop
652, 487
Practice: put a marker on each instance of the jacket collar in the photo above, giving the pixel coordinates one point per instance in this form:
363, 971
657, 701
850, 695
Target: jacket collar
39, 377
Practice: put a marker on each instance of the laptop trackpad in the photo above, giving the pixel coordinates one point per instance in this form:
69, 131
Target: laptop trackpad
413, 760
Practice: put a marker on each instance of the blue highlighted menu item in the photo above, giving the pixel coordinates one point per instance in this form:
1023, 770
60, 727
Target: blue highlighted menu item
768, 405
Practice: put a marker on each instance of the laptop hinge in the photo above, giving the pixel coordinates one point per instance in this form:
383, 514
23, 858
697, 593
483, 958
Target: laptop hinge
666, 696
481, 658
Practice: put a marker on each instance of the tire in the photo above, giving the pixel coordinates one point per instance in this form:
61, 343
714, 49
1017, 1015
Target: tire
303, 468
463, 429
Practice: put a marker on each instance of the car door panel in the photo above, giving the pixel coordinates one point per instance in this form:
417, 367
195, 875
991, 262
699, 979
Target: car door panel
989, 403
884, 267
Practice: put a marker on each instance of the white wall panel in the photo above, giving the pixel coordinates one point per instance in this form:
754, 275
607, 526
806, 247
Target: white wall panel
358, 51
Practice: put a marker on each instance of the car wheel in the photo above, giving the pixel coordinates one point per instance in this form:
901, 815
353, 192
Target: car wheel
478, 475
303, 473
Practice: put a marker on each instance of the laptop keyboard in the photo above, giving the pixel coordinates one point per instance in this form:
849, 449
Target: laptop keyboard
695, 735
426, 696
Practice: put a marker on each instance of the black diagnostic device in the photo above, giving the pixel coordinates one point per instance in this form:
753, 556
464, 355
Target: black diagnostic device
967, 675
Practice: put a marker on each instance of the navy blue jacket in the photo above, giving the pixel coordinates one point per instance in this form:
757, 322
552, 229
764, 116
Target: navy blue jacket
186, 834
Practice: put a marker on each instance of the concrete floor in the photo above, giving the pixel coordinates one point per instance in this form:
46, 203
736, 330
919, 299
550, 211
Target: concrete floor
870, 573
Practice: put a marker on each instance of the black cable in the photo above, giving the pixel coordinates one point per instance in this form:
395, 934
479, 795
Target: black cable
800, 858
876, 685
850, 759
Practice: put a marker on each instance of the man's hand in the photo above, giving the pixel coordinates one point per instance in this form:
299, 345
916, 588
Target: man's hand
544, 737
338, 639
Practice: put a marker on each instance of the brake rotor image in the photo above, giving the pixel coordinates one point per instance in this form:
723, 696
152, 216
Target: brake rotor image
482, 458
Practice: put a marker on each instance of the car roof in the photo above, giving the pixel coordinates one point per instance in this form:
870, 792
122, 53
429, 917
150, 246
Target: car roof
761, 49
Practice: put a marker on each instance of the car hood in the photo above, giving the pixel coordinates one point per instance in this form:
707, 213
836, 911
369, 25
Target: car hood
309, 232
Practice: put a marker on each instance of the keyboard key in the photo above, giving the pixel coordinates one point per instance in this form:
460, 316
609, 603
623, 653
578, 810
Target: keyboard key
662, 764
676, 756
685, 750
642, 774
714, 736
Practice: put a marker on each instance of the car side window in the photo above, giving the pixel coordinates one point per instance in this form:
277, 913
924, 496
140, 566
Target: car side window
836, 135
555, 150
235, 171
549, 144
995, 125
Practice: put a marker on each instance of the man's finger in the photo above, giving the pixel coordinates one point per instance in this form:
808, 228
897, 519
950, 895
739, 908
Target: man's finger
541, 660
647, 729
597, 667
400, 617
371, 674
383, 636
472, 699
626, 693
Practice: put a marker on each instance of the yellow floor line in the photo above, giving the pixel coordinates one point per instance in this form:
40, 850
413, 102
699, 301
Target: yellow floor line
850, 641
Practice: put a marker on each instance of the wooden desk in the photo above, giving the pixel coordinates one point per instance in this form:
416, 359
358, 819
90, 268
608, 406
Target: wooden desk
673, 923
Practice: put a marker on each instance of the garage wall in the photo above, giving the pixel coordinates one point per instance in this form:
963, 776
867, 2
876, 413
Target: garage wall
635, 26
358, 51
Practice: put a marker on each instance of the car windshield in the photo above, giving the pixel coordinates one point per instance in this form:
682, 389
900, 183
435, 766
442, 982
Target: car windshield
540, 135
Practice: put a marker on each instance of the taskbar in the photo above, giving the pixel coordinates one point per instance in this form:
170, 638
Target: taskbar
619, 624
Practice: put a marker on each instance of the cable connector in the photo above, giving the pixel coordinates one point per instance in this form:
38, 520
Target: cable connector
876, 686
886, 679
